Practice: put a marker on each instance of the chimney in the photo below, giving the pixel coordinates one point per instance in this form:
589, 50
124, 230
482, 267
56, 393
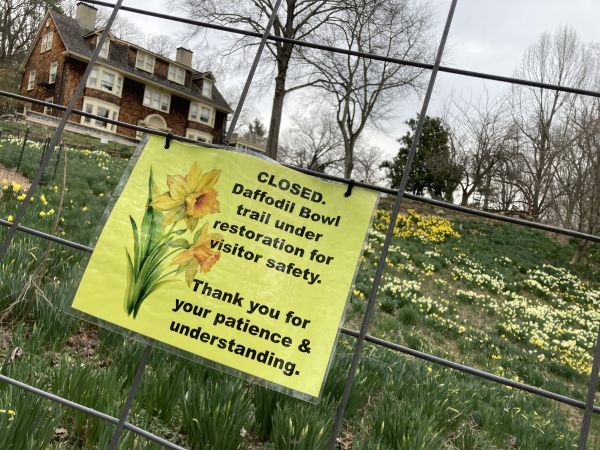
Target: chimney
184, 56
86, 16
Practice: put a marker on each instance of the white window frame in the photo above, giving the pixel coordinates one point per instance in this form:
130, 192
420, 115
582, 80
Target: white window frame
196, 117
198, 135
31, 80
105, 49
52, 72
176, 74
47, 109
150, 94
95, 80
91, 105
47, 40
207, 86
145, 61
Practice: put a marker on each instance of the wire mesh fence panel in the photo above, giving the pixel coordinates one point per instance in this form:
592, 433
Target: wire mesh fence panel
402, 283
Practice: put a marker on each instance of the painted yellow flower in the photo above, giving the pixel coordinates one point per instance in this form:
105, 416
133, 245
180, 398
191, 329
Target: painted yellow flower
191, 197
200, 257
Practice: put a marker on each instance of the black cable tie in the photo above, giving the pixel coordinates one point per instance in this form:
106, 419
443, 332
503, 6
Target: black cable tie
168, 139
351, 184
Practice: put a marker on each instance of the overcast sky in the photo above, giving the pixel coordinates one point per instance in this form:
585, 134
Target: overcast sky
486, 36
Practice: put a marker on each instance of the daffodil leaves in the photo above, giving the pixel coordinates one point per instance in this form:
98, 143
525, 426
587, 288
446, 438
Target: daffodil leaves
153, 244
179, 243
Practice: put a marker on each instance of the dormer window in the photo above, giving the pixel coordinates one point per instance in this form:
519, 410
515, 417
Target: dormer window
145, 61
105, 48
207, 88
176, 74
46, 42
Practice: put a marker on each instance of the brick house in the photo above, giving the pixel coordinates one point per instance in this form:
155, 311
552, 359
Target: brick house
127, 83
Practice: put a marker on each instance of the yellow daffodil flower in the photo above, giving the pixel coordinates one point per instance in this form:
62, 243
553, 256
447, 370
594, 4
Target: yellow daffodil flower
191, 197
200, 257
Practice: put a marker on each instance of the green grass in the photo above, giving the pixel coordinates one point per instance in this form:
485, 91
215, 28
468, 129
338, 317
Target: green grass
441, 298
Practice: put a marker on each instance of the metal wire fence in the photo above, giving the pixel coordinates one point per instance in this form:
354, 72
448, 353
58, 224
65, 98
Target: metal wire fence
50, 154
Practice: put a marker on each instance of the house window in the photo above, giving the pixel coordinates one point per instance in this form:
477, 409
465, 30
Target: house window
106, 80
102, 109
31, 81
207, 88
153, 98
46, 42
202, 113
176, 74
47, 109
198, 135
104, 49
144, 61
52, 73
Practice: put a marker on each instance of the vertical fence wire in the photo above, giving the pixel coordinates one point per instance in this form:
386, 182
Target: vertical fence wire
58, 134
250, 77
135, 384
381, 264
591, 395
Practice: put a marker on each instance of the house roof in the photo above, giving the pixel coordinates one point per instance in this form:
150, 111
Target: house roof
72, 35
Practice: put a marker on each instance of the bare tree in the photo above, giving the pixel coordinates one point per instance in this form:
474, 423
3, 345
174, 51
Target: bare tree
507, 196
576, 203
367, 163
297, 19
313, 142
363, 90
480, 136
122, 28
161, 44
560, 58
19, 22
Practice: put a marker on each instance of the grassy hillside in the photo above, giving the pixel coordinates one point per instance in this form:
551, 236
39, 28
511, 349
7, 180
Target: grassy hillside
495, 296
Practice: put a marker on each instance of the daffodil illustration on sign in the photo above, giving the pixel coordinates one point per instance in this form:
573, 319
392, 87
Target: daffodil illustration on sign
188, 198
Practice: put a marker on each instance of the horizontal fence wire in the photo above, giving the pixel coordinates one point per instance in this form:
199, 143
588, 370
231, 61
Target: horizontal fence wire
445, 205
374, 340
344, 51
382, 189
85, 409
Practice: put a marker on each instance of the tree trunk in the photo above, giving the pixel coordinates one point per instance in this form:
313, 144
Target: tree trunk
348, 158
464, 200
580, 252
487, 192
275, 123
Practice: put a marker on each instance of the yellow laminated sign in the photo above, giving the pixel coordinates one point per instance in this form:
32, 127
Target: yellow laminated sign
231, 258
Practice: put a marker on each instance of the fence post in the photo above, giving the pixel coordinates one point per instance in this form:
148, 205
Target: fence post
135, 384
23, 148
44, 150
60, 150
381, 264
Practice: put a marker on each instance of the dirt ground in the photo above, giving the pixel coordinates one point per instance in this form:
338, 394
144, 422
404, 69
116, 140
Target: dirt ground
11, 175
